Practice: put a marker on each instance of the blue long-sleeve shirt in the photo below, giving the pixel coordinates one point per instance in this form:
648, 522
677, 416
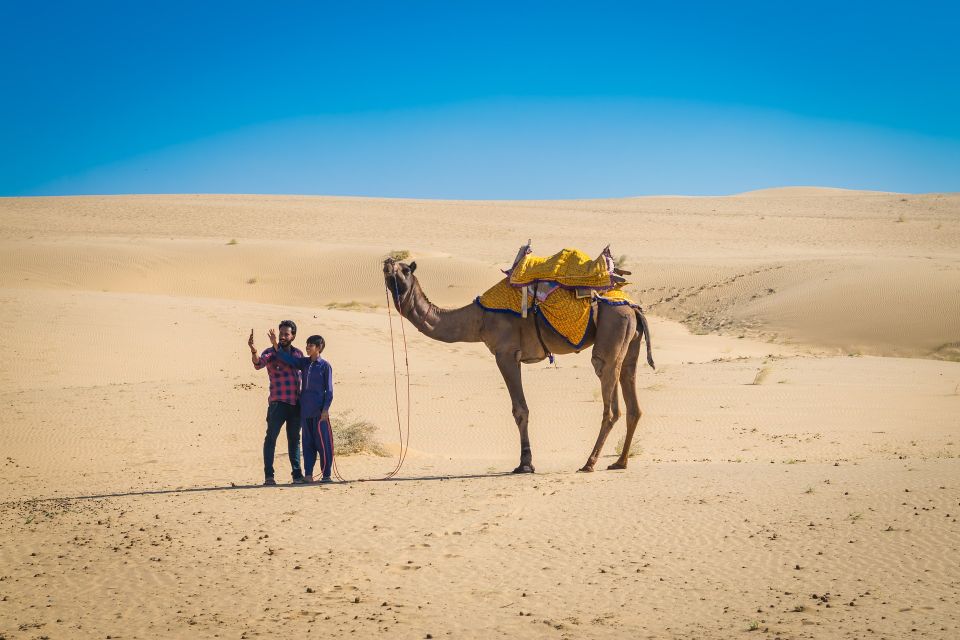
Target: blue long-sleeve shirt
316, 390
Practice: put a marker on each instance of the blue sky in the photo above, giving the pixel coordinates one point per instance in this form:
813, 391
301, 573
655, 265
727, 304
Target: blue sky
485, 100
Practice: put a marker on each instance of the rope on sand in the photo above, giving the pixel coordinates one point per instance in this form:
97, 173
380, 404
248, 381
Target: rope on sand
404, 441
404, 446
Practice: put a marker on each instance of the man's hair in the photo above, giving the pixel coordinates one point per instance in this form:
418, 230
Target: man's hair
317, 341
290, 324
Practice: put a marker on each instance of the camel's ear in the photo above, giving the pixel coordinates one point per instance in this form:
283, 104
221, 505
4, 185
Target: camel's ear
413, 266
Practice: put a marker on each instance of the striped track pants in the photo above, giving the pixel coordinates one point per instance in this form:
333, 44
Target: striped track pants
317, 443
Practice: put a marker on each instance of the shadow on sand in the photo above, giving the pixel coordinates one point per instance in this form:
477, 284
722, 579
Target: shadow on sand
252, 487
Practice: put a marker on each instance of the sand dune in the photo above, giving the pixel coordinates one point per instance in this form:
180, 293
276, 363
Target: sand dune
797, 460
859, 273
779, 192
304, 273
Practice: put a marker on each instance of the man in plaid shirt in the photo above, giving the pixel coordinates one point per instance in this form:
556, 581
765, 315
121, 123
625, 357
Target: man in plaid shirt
284, 404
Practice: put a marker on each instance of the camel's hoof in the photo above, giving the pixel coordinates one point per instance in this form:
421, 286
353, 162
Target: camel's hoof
524, 468
585, 469
617, 465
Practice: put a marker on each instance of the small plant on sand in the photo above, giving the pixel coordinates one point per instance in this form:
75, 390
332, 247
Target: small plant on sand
353, 305
352, 435
232, 241
948, 351
761, 376
400, 254
634, 450
853, 517
753, 626
810, 490
252, 280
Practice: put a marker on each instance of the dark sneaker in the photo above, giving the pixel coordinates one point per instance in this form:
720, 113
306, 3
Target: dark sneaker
326, 480
269, 482
300, 480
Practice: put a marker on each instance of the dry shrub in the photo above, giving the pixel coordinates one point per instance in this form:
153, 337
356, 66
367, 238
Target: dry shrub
949, 351
400, 254
761, 375
353, 435
635, 450
353, 305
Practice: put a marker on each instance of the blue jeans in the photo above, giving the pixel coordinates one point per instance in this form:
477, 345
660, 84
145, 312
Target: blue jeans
277, 414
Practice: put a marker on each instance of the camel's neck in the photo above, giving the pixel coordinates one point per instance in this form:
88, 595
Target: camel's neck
445, 325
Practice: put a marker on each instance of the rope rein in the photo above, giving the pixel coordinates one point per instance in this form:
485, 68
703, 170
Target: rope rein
404, 446
404, 442
336, 471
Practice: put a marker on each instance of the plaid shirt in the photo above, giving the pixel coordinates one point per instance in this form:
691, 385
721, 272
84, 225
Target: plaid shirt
284, 379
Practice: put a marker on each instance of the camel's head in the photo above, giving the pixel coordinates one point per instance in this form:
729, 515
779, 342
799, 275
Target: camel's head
399, 279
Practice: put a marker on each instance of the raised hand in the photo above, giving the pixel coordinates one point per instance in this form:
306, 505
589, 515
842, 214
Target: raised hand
272, 334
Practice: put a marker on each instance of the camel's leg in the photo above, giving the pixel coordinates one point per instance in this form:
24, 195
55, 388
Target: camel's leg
510, 370
628, 382
615, 404
608, 353
608, 389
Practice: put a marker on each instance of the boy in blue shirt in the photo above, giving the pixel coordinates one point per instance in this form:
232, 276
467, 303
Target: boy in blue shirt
316, 395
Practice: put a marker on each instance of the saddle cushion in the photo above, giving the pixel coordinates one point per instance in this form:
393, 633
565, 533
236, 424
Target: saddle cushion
568, 268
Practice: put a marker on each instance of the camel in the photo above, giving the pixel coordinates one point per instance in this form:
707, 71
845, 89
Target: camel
615, 335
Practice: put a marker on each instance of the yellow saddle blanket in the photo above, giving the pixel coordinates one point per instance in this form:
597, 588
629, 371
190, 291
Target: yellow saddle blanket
560, 288
561, 309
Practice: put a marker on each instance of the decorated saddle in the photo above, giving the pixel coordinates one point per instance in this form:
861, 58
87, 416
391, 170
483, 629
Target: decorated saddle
561, 288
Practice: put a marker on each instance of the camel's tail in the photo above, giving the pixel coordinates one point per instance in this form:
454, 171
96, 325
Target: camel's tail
646, 335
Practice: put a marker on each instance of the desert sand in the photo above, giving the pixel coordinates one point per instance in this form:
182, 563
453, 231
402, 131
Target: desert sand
796, 471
